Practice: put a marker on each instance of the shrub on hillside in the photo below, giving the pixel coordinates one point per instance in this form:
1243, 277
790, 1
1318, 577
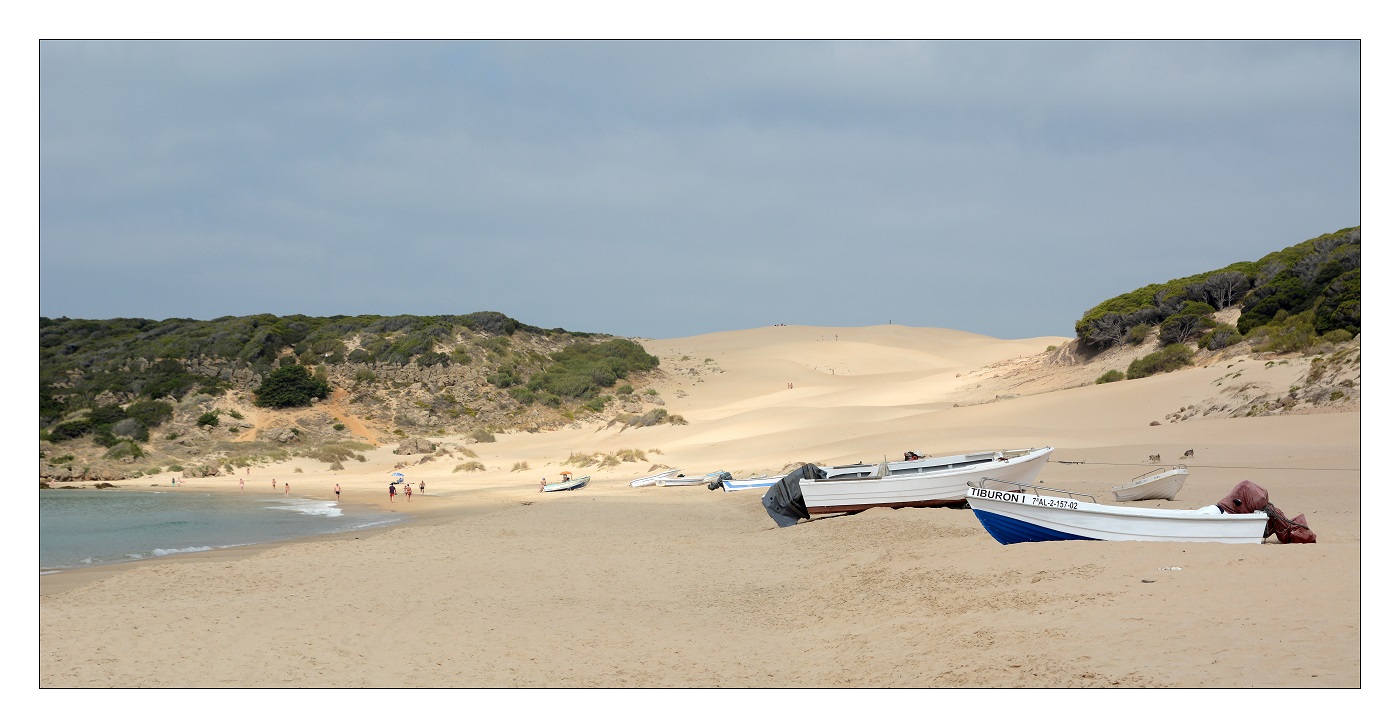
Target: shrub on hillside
290, 386
124, 449
1221, 338
132, 429
469, 467
1169, 358
208, 419
1112, 375
150, 412
69, 430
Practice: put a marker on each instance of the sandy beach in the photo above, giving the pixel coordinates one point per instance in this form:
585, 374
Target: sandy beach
495, 584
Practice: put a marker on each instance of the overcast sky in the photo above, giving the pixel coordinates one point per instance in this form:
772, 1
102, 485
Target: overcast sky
666, 189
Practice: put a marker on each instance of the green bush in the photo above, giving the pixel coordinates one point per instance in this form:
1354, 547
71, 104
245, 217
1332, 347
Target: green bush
1112, 375
1169, 358
208, 419
132, 429
1221, 338
290, 386
69, 430
626, 389
124, 449
150, 412
434, 358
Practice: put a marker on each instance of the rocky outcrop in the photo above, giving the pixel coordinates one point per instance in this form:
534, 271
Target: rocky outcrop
281, 436
415, 446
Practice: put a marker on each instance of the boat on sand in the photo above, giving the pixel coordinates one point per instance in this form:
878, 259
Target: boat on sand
813, 489
651, 479
1019, 512
1160, 484
570, 484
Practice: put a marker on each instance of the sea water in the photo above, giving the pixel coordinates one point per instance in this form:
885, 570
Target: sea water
79, 528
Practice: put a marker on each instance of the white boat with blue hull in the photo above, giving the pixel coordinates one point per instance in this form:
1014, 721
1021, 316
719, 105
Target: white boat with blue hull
1020, 513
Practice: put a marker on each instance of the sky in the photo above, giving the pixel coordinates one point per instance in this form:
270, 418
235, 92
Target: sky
667, 189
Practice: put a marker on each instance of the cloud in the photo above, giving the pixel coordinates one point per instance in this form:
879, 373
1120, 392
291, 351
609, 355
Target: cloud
678, 188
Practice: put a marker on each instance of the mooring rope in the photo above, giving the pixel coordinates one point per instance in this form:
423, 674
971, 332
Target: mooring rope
1205, 467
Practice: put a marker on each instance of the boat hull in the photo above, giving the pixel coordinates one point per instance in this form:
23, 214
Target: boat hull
748, 483
573, 484
651, 479
1028, 517
945, 485
1158, 486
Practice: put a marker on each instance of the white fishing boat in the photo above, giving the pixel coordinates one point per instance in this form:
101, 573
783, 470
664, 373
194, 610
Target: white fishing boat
1160, 484
568, 484
926, 482
732, 484
1018, 512
651, 479
916, 462
813, 489
683, 480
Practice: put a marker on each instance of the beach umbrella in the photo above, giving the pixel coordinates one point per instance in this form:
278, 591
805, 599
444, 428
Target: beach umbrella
566, 472
397, 474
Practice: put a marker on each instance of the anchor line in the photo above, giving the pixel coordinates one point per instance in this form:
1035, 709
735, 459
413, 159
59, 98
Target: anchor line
1208, 467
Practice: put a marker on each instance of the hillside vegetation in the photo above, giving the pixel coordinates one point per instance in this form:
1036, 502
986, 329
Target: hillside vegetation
1288, 300
141, 393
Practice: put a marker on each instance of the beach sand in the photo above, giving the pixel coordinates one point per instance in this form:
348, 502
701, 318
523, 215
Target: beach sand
498, 585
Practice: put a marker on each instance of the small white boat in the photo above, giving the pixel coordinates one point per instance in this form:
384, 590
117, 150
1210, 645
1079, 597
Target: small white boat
683, 480
570, 484
1160, 484
732, 484
651, 479
911, 483
1036, 513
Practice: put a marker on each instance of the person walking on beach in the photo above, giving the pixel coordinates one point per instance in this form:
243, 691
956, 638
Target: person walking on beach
337, 492
240, 484
422, 486
541, 485
408, 491
288, 489
274, 485
391, 492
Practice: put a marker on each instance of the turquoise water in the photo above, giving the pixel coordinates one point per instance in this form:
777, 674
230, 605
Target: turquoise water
79, 528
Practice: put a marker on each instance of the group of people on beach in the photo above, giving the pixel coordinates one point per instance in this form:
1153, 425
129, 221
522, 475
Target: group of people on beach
407, 489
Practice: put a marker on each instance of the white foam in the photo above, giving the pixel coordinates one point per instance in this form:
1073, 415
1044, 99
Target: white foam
190, 550
329, 509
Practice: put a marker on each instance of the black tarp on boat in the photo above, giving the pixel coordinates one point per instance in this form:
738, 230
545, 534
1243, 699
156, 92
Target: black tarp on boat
784, 498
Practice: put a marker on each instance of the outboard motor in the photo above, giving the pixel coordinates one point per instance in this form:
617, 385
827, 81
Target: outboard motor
1249, 497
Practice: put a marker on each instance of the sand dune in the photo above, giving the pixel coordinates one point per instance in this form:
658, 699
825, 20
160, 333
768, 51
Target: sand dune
610, 586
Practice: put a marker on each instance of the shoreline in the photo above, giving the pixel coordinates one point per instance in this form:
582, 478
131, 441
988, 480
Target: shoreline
65, 579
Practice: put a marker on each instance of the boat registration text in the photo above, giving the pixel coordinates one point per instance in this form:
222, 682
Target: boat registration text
1023, 498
